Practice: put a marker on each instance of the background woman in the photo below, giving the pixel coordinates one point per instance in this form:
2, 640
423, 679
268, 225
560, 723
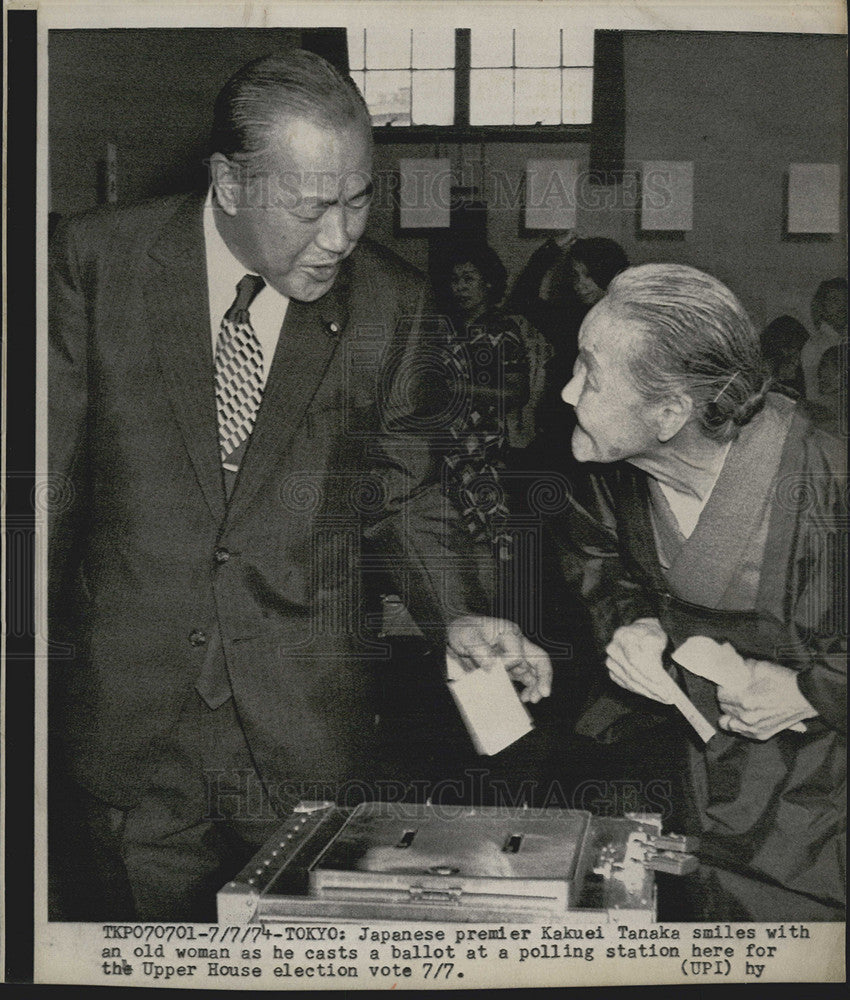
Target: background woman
563, 280
500, 363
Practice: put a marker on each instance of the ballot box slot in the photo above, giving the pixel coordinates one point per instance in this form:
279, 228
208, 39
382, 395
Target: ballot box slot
406, 839
513, 844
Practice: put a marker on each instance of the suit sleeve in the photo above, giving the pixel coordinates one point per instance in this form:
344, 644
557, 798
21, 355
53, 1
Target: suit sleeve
439, 571
67, 400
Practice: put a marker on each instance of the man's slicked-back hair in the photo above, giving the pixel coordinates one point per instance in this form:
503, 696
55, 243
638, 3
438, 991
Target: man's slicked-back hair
697, 340
293, 84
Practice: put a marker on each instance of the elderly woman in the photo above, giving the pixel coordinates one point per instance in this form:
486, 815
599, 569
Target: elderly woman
722, 516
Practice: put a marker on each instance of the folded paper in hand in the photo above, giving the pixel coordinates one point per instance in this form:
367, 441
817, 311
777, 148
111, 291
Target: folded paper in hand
489, 704
719, 663
680, 700
716, 662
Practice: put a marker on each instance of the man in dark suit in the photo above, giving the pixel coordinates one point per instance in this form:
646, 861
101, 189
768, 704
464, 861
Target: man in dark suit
238, 424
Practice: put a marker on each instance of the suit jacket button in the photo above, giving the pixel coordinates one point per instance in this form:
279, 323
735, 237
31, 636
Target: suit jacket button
221, 555
197, 637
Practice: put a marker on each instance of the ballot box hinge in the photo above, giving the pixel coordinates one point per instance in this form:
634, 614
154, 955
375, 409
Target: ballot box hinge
671, 853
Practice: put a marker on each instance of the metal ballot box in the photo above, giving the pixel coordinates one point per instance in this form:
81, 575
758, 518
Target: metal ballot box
451, 863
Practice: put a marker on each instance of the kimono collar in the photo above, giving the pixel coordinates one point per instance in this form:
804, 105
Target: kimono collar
706, 563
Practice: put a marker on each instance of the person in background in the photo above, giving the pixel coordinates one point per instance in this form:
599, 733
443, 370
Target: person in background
781, 343
595, 263
563, 280
718, 513
829, 315
500, 361
830, 413
543, 290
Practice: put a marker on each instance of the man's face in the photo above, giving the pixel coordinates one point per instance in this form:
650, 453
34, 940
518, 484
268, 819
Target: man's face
296, 224
613, 421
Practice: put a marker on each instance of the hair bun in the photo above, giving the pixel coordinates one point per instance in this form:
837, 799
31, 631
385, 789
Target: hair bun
749, 408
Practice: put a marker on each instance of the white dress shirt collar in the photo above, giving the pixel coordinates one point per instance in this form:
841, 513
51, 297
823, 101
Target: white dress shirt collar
224, 272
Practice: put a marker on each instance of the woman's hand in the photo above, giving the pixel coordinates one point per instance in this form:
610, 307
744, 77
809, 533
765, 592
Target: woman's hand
635, 659
766, 702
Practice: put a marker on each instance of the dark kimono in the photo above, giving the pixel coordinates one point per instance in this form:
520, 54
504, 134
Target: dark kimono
764, 569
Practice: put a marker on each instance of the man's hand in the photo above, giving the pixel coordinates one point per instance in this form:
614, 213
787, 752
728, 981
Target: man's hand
634, 659
493, 642
766, 702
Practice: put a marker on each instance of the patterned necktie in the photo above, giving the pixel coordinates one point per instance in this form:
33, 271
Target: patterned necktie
238, 374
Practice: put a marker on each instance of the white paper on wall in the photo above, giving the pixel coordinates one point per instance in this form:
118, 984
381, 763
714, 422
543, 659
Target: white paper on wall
814, 198
667, 189
425, 192
550, 194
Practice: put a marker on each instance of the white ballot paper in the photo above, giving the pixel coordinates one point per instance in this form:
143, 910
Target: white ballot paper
489, 704
719, 663
677, 696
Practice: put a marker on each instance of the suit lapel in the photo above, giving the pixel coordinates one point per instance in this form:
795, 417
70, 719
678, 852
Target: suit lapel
178, 316
308, 342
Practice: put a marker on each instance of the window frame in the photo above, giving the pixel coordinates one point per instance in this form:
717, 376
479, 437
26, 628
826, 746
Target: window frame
389, 134
461, 130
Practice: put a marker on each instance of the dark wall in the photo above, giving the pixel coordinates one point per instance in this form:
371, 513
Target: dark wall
150, 92
742, 107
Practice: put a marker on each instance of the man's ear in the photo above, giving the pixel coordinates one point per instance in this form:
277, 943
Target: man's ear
672, 415
227, 182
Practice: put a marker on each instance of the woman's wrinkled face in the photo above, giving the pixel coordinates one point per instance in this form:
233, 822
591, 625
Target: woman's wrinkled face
469, 289
613, 422
585, 287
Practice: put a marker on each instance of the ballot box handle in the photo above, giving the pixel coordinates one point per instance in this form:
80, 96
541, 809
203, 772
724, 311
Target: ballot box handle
451, 894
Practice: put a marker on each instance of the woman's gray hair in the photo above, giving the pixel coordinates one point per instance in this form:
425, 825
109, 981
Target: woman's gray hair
698, 341
295, 84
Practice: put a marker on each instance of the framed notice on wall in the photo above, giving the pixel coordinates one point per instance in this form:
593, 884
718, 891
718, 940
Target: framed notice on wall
425, 193
814, 198
550, 194
667, 195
